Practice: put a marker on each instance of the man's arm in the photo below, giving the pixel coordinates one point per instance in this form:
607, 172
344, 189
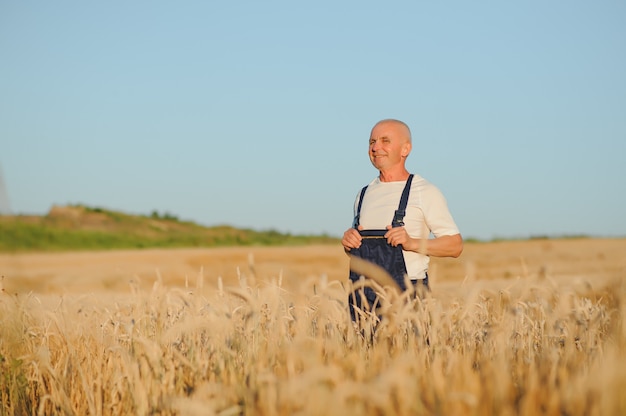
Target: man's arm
442, 246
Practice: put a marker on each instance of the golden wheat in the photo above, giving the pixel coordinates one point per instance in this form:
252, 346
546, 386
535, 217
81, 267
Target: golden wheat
532, 347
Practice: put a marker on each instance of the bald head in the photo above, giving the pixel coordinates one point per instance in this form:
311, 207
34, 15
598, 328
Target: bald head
401, 128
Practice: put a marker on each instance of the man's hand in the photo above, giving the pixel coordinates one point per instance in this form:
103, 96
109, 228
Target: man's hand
398, 236
351, 238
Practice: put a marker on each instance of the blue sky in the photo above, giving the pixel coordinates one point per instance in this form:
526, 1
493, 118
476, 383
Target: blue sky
257, 114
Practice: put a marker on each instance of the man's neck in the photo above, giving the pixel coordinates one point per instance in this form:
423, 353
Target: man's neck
394, 176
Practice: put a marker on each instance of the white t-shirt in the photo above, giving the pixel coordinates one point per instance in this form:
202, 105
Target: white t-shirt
427, 212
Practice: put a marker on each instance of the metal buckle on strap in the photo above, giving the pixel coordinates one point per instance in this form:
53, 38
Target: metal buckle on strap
398, 218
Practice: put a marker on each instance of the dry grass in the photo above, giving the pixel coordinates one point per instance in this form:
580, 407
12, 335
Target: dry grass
537, 344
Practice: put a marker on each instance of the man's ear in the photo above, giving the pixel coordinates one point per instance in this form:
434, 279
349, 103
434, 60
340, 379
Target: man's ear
406, 149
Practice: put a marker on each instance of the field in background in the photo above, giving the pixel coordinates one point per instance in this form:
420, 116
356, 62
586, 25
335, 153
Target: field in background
522, 327
113, 270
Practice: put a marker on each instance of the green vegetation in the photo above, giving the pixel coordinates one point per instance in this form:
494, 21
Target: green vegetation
85, 228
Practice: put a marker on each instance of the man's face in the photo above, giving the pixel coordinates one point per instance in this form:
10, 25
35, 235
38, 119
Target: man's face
388, 146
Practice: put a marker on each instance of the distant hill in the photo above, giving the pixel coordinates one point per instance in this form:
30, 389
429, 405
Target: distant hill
79, 227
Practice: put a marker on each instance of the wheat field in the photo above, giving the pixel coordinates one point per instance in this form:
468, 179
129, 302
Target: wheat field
511, 328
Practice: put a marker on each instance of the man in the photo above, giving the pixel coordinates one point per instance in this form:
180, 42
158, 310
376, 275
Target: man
396, 213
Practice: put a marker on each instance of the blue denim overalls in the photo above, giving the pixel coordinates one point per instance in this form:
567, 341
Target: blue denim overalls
375, 248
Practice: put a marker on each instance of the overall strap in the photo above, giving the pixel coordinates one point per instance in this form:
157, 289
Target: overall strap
398, 218
357, 218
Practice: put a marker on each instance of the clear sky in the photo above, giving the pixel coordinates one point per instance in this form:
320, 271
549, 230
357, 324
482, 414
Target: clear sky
257, 113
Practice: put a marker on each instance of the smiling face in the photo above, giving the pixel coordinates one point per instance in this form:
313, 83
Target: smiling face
389, 146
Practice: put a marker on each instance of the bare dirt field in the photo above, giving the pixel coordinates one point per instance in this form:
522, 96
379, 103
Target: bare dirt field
114, 271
